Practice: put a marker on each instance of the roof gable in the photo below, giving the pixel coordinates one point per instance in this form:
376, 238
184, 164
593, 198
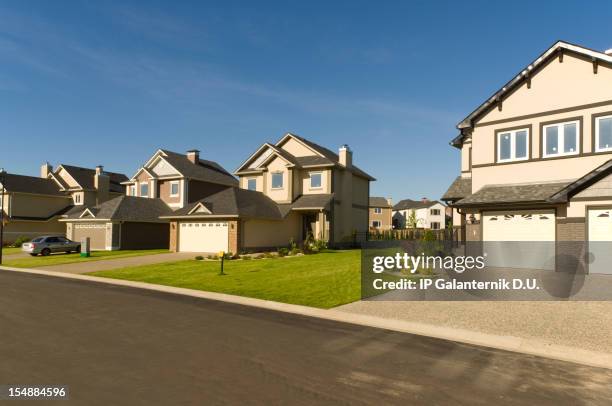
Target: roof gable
200, 208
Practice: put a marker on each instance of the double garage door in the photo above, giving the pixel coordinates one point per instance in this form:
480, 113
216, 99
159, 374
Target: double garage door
519, 239
203, 236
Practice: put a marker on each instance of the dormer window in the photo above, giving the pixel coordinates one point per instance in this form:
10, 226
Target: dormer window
603, 133
277, 180
315, 180
561, 139
513, 145
144, 190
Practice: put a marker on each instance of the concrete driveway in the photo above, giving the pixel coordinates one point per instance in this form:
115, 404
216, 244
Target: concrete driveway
106, 264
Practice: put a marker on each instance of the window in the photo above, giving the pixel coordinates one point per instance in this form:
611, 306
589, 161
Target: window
561, 139
315, 180
603, 133
144, 190
377, 210
252, 184
77, 198
435, 225
132, 190
376, 224
277, 180
513, 145
174, 188
434, 212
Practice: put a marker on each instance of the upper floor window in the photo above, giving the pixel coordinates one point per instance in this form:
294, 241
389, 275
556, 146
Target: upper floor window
513, 145
252, 184
77, 198
561, 139
434, 212
174, 188
377, 210
603, 133
144, 190
315, 180
277, 180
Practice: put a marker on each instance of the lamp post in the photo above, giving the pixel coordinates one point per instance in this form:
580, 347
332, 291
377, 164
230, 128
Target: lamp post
2, 177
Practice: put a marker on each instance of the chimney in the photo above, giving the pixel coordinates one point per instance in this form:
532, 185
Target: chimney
608, 52
194, 156
102, 185
45, 170
345, 156
389, 201
424, 200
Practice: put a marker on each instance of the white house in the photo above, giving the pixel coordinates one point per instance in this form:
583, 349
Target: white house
428, 214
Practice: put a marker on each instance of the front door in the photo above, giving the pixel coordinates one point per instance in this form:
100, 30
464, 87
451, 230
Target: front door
309, 222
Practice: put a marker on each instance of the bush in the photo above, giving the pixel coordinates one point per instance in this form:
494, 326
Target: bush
295, 251
246, 257
199, 258
282, 252
20, 240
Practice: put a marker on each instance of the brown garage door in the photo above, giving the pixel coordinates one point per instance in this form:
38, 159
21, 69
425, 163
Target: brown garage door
95, 231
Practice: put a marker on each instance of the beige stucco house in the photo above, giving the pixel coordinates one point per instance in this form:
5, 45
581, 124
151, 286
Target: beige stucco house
287, 191
380, 213
536, 162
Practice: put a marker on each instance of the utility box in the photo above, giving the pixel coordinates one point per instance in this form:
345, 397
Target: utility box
85, 247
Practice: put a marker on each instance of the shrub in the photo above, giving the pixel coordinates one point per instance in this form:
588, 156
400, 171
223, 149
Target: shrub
282, 252
295, 251
20, 240
199, 257
246, 257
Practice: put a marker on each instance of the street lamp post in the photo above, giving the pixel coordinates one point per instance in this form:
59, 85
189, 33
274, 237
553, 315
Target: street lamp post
2, 177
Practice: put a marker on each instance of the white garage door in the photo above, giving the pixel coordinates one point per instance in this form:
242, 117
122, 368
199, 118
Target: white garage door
600, 240
520, 239
203, 236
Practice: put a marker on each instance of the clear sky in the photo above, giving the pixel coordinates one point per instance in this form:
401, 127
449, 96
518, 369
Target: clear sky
90, 83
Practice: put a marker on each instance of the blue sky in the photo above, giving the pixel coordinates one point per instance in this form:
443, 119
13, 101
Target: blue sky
90, 83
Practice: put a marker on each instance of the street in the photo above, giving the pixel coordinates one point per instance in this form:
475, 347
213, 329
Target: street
122, 346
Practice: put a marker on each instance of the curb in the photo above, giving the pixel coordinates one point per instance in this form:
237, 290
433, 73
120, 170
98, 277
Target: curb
507, 343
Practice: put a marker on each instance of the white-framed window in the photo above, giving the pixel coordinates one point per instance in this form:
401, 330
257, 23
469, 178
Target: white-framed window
603, 133
376, 224
316, 180
252, 184
513, 145
435, 225
144, 189
132, 190
277, 180
434, 212
77, 198
174, 188
378, 210
561, 139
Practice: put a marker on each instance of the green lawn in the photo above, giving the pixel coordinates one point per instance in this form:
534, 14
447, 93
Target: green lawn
324, 280
10, 250
59, 259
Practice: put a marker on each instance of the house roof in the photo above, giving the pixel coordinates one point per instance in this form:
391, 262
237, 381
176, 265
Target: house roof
205, 170
459, 189
318, 201
123, 208
529, 70
520, 193
379, 202
584, 182
85, 178
232, 202
30, 184
60, 212
414, 204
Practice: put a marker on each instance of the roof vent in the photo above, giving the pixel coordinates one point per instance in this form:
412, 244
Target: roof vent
608, 52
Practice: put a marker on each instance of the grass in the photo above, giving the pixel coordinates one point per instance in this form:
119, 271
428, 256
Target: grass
323, 280
10, 250
59, 259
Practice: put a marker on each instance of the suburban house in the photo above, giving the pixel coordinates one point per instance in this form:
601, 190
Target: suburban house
424, 213
536, 164
134, 219
33, 206
288, 191
380, 213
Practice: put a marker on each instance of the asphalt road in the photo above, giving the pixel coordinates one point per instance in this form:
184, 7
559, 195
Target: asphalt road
122, 346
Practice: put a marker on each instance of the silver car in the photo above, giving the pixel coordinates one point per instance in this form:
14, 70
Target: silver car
47, 244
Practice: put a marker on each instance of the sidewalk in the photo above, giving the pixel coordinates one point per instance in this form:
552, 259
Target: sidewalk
582, 325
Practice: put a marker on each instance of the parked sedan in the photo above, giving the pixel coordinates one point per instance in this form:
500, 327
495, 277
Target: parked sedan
47, 244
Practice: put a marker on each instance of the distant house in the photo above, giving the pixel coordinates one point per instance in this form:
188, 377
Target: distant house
380, 213
424, 213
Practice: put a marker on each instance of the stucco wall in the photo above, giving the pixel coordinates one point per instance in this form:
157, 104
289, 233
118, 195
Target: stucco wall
30, 229
30, 205
283, 194
269, 233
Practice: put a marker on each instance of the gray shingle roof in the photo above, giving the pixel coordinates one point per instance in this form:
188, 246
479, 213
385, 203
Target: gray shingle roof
414, 204
318, 201
379, 202
460, 188
207, 171
500, 194
31, 184
126, 208
85, 178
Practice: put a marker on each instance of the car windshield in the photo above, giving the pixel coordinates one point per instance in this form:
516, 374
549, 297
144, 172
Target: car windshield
39, 239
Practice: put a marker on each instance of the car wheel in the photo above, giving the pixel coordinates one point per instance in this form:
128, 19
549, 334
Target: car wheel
45, 252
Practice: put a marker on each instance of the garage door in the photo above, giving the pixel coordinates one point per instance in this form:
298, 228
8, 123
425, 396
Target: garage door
600, 240
95, 232
203, 236
520, 239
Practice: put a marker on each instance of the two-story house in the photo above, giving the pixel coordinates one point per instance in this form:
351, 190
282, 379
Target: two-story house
536, 164
424, 213
380, 213
290, 190
168, 181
